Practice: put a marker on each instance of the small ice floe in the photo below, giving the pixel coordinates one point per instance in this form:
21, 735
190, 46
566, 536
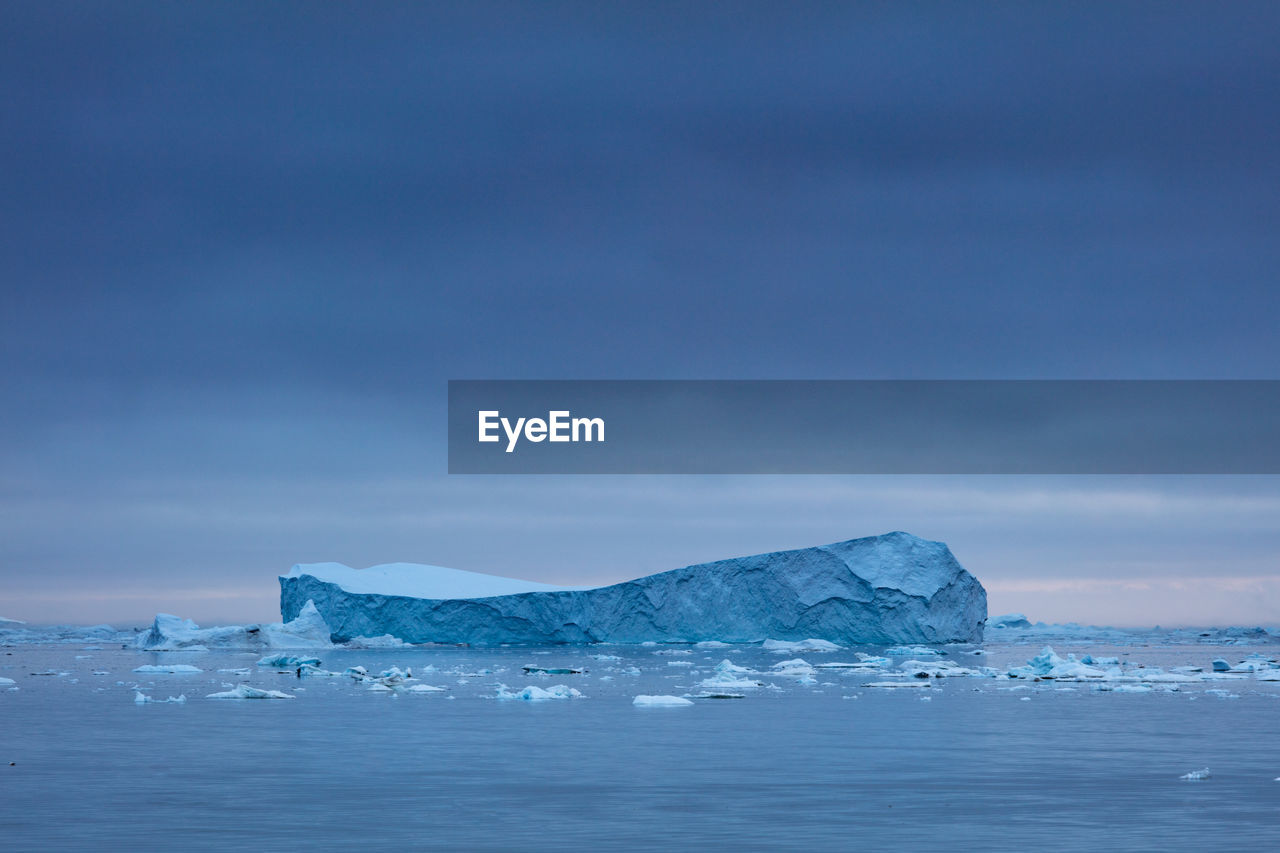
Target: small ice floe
711, 644
424, 688
243, 670
1122, 688
605, 657
810, 645
530, 669
679, 663
912, 651
728, 682
538, 694
1223, 694
872, 660
1269, 675
385, 641
140, 698
673, 652
718, 695
287, 661
168, 669
891, 684
1195, 775
244, 691
1158, 676
660, 701
5, 682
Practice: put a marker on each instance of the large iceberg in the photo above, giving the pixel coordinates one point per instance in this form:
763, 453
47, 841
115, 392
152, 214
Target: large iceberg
895, 588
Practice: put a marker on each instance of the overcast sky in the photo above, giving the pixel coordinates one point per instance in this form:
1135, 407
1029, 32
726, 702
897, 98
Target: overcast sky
245, 246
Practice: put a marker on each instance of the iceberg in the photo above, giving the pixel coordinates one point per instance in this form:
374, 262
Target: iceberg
890, 589
306, 630
168, 669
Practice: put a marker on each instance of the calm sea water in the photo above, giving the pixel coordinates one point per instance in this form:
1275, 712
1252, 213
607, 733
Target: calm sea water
800, 768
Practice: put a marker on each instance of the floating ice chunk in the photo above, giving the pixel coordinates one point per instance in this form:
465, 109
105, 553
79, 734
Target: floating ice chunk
873, 660
1158, 677
141, 698
530, 669
892, 684
727, 666
1009, 620
287, 661
912, 651
1195, 775
244, 691
605, 657
538, 694
5, 682
1220, 665
711, 644
1047, 664
424, 688
168, 669
1131, 688
171, 633
1269, 675
810, 645
386, 641
660, 701
718, 694
679, 663
728, 682
939, 669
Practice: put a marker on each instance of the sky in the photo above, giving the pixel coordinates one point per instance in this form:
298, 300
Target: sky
246, 245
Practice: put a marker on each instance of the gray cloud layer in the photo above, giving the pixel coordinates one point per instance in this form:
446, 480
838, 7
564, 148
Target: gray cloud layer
246, 245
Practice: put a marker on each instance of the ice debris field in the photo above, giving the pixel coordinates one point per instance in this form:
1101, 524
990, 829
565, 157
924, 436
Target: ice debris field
284, 661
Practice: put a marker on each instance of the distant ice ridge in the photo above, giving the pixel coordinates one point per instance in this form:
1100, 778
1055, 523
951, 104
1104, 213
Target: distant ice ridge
1015, 627
307, 630
16, 633
895, 588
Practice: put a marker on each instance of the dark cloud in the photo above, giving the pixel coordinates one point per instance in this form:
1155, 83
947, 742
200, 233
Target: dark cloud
252, 241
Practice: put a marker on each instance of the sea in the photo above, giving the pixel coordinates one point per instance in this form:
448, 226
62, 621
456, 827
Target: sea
806, 763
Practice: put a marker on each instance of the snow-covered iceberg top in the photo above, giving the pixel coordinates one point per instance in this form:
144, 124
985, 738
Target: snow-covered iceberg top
895, 588
415, 580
